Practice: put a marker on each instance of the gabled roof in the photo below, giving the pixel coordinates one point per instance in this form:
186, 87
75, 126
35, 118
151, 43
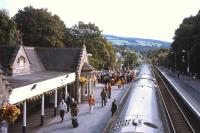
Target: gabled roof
50, 59
35, 64
7, 55
87, 67
59, 59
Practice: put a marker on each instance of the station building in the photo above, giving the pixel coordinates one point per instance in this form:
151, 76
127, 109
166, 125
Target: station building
44, 76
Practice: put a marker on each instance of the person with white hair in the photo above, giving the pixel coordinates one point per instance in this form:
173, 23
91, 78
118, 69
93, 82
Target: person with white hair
62, 108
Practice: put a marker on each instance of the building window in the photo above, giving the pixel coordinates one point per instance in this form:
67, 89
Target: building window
86, 88
21, 62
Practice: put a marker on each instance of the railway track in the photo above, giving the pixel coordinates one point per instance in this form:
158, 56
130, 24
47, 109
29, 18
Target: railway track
175, 108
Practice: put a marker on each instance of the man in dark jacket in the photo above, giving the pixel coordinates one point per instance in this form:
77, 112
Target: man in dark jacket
74, 112
68, 102
74, 108
103, 97
114, 107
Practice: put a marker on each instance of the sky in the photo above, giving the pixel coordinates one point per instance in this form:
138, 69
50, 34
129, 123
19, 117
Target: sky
151, 19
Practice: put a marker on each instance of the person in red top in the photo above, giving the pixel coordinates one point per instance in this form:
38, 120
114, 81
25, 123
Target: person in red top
91, 102
122, 82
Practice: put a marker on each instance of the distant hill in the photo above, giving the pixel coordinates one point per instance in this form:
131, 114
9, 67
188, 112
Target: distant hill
139, 44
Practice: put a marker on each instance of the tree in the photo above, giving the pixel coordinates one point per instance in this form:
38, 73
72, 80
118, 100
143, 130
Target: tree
9, 35
159, 56
103, 55
187, 37
40, 28
130, 59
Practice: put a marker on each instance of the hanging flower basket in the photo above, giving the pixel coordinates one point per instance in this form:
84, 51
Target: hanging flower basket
9, 113
83, 80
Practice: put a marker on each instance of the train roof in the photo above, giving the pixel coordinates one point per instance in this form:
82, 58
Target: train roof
141, 111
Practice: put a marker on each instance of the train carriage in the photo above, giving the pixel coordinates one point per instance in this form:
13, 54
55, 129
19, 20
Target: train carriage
142, 111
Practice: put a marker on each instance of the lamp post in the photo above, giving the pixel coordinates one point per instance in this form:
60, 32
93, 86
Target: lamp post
174, 59
188, 63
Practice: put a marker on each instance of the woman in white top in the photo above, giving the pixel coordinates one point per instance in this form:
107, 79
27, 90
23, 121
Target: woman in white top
62, 108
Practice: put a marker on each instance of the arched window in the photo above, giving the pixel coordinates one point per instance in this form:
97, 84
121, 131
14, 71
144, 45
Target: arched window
21, 62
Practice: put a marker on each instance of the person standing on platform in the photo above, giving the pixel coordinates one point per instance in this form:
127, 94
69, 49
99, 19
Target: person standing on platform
122, 82
91, 102
68, 102
74, 112
62, 108
103, 97
106, 87
4, 127
178, 75
119, 83
114, 107
109, 90
74, 108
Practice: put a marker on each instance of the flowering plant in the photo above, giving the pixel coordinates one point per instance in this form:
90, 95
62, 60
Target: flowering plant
9, 112
83, 80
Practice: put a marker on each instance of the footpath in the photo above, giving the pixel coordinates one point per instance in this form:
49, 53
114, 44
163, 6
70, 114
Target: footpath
94, 122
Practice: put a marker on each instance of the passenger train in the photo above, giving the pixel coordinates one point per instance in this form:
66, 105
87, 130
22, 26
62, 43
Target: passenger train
143, 111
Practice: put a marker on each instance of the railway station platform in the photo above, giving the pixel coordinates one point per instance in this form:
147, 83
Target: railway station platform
188, 87
94, 122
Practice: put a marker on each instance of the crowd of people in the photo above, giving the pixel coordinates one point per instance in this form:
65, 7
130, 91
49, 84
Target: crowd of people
109, 78
115, 78
70, 105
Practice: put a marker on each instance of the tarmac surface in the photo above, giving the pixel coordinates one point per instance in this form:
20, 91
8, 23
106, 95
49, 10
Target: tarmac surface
187, 86
94, 122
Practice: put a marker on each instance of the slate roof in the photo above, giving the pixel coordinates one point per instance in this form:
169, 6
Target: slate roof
51, 59
35, 64
59, 59
45, 63
26, 79
6, 55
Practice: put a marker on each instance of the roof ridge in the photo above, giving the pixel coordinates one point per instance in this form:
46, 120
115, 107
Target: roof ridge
83, 49
32, 47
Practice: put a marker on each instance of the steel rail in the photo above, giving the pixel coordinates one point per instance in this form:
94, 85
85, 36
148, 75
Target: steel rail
177, 118
165, 107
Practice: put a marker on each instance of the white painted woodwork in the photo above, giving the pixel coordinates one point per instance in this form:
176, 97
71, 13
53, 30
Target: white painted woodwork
25, 92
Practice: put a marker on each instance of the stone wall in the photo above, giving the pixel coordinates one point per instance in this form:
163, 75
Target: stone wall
80, 96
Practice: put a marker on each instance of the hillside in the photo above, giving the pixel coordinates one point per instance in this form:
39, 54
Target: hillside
138, 44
